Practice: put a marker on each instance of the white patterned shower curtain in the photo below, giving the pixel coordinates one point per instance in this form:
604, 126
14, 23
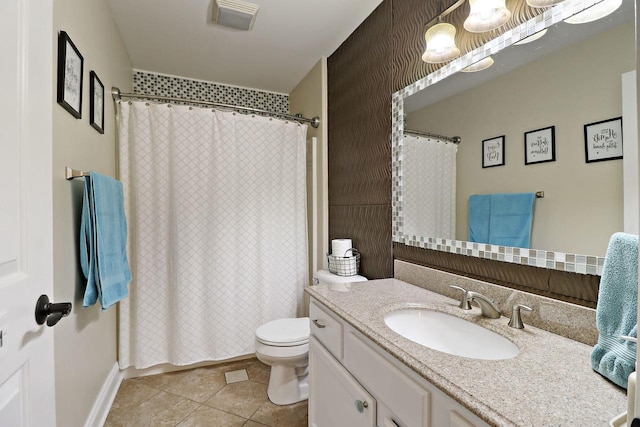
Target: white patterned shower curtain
216, 206
429, 187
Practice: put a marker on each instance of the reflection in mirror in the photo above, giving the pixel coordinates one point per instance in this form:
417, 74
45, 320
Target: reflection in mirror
430, 184
566, 79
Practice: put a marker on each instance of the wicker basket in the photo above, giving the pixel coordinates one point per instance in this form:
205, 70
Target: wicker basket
345, 265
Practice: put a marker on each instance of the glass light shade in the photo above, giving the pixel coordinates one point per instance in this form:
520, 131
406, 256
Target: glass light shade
441, 44
595, 12
543, 3
531, 38
486, 15
483, 64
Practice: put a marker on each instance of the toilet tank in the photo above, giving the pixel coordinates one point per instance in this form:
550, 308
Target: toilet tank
326, 277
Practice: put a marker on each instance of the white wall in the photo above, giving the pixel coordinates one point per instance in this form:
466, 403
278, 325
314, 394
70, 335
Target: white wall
85, 342
583, 202
630, 161
310, 98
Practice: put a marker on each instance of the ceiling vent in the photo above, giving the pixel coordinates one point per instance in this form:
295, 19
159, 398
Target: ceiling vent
234, 13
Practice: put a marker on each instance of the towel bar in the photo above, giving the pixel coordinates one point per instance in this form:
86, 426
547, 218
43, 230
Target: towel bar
70, 174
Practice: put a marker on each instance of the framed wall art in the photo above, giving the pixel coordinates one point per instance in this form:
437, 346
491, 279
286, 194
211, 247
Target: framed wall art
70, 63
603, 140
540, 145
96, 103
493, 152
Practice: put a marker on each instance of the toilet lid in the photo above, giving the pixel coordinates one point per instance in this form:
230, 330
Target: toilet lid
284, 332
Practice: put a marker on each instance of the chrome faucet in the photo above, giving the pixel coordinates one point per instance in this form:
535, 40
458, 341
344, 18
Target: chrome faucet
487, 306
464, 300
516, 320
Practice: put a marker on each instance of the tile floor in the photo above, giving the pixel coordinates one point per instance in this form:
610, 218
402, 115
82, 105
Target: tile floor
201, 397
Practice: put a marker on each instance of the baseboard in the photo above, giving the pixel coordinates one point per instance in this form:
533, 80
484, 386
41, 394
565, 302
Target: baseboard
105, 399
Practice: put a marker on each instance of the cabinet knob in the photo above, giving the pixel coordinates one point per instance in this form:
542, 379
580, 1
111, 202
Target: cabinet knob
361, 405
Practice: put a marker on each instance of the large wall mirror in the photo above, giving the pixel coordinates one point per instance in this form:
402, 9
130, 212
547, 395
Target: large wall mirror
566, 79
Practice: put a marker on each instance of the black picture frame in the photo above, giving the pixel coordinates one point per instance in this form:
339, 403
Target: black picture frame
70, 69
603, 140
96, 102
540, 146
493, 152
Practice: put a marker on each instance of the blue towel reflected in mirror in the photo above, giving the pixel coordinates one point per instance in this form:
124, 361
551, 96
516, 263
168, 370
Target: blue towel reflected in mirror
504, 219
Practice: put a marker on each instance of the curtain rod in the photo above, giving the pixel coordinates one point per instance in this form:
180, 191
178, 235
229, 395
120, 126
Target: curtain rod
117, 95
454, 139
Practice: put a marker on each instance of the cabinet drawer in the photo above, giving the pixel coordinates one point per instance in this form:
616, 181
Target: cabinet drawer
326, 329
406, 400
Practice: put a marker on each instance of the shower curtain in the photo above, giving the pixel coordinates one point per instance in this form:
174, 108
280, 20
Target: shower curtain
216, 206
429, 187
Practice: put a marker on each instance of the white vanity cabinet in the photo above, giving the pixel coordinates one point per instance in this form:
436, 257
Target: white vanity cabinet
347, 367
335, 397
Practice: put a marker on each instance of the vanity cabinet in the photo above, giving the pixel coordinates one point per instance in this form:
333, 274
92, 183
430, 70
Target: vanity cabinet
335, 397
346, 367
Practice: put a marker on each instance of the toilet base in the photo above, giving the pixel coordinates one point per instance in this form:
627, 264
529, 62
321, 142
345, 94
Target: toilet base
288, 384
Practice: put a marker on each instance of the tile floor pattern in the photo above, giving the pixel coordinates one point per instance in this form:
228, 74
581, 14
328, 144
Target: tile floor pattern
201, 398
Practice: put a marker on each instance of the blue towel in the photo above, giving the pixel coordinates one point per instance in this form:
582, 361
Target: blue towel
512, 219
617, 310
103, 240
502, 219
479, 217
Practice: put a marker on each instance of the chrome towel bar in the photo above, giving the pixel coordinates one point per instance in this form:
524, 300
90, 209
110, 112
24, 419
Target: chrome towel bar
70, 174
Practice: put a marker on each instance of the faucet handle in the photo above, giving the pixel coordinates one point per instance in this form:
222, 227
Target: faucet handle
464, 301
516, 319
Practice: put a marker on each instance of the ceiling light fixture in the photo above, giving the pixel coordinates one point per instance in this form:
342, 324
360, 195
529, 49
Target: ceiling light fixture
486, 15
440, 37
483, 64
237, 14
543, 3
533, 37
595, 12
441, 44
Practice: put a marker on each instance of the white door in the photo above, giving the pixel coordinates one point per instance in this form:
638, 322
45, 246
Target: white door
26, 102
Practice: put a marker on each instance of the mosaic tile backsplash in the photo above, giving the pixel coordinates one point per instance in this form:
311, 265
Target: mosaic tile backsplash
178, 87
539, 258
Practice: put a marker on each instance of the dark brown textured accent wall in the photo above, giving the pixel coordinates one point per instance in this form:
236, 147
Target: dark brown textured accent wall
575, 288
381, 57
359, 146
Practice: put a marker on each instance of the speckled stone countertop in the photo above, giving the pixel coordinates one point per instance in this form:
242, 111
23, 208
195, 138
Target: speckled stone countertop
550, 383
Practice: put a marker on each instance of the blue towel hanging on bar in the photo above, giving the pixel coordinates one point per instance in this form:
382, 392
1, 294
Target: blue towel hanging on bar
103, 240
617, 311
502, 218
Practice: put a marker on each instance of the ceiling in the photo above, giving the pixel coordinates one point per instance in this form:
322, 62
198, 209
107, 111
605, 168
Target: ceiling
176, 37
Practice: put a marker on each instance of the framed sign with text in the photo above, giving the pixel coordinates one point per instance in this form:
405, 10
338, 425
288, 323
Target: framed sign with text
493, 152
540, 145
70, 63
603, 140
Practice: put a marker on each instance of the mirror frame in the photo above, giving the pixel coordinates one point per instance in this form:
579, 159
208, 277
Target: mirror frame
553, 260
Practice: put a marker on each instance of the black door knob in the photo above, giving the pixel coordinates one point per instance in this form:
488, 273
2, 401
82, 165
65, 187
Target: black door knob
51, 312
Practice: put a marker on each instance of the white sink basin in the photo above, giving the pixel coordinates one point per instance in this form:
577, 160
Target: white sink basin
450, 334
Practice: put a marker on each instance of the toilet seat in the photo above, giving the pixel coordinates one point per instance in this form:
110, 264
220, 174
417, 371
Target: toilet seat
284, 332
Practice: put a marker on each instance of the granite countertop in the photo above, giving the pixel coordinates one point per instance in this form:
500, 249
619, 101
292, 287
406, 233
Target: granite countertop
550, 383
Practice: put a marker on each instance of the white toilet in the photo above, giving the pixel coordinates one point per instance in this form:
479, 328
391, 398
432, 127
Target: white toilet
283, 344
